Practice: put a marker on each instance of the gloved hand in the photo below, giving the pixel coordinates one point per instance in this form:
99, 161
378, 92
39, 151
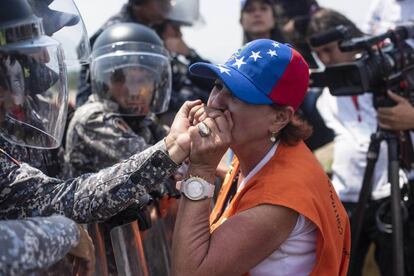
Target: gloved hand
136, 211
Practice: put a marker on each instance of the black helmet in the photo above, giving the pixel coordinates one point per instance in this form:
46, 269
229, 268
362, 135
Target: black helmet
15, 10
185, 12
127, 32
34, 83
137, 2
18, 22
131, 66
53, 20
62, 22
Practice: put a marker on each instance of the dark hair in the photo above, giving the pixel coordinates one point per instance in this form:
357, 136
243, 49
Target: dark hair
295, 131
275, 32
326, 19
137, 2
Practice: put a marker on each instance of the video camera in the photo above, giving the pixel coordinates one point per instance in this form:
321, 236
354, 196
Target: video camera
386, 63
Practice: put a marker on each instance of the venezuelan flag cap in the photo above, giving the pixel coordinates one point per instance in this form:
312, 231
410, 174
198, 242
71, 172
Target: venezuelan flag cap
263, 71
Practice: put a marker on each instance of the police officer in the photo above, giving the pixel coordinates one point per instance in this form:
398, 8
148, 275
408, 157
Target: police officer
59, 22
146, 12
47, 238
131, 81
33, 117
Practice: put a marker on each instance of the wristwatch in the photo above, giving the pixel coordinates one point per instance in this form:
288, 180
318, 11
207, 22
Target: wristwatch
196, 188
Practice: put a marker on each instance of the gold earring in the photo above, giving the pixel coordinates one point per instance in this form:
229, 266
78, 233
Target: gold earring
273, 136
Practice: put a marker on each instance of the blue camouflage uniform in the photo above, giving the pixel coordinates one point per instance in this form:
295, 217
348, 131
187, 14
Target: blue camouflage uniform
27, 192
35, 243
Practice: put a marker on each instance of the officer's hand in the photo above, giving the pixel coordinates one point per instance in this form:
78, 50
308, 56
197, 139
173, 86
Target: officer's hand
399, 117
84, 254
131, 213
178, 140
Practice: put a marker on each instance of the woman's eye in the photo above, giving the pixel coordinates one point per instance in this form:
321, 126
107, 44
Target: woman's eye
218, 86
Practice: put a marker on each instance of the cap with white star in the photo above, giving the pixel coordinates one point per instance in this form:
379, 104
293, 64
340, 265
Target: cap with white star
262, 72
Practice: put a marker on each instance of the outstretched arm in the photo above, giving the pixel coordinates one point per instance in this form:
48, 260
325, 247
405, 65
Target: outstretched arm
27, 192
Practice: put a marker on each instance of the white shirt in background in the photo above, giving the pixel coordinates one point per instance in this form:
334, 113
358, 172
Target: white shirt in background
353, 128
384, 15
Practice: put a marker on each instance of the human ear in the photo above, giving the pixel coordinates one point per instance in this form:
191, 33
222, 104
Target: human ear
280, 118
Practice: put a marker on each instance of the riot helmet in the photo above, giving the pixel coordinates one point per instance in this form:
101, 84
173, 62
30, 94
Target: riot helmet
185, 12
131, 67
33, 82
62, 21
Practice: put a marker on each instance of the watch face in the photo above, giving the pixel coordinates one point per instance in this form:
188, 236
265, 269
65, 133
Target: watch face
194, 189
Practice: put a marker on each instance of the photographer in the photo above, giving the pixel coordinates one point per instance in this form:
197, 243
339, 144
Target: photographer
385, 15
353, 119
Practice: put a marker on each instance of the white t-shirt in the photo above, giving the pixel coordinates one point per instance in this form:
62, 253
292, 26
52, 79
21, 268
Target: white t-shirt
297, 254
386, 14
353, 127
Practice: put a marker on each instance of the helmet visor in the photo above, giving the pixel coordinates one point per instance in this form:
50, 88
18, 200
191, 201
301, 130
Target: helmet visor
62, 21
135, 75
33, 93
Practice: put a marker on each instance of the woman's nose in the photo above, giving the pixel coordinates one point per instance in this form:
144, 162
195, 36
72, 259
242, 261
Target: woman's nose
216, 101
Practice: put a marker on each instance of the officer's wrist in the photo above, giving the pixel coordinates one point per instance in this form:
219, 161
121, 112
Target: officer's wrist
176, 153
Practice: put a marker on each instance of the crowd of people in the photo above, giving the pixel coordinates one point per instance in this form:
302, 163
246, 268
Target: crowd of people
133, 179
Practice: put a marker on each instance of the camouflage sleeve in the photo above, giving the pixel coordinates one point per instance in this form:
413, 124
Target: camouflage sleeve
99, 140
27, 192
35, 243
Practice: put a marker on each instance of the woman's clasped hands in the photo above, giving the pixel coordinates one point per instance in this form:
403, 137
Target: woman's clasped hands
210, 134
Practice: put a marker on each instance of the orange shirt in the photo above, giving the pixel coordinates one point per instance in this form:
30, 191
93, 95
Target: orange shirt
294, 179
